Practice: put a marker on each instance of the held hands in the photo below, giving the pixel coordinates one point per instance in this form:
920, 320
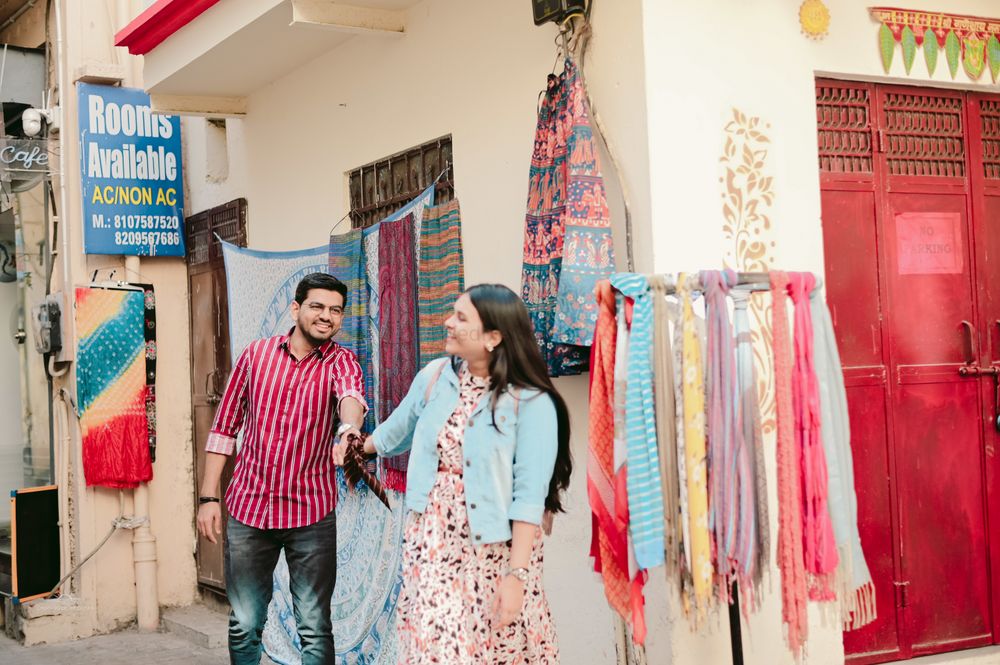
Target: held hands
210, 521
346, 437
509, 599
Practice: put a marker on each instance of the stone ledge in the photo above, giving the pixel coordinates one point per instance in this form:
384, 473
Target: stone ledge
198, 625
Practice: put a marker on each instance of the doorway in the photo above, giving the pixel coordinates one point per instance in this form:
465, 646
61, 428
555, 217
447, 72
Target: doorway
210, 360
910, 183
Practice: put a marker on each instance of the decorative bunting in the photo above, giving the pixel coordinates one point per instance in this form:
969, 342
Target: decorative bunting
971, 41
909, 48
993, 56
931, 48
953, 51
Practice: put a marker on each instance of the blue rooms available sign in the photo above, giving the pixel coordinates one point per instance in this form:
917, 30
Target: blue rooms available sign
133, 191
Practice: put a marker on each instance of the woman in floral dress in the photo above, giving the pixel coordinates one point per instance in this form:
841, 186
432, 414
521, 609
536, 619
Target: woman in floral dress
489, 456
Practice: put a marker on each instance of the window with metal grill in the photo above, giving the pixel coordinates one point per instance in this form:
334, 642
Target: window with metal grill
228, 220
843, 117
381, 187
924, 135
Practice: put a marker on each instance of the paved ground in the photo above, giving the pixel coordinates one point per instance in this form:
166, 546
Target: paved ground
127, 647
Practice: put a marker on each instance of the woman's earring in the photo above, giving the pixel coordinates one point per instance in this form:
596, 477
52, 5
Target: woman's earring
489, 348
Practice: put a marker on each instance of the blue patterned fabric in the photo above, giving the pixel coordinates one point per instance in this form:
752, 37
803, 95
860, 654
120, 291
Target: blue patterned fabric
645, 493
369, 565
261, 287
346, 263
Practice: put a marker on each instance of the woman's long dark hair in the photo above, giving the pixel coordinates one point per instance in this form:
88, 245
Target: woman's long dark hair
517, 361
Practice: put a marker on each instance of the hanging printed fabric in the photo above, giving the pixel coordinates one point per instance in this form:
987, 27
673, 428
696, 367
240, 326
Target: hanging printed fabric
732, 503
149, 334
567, 241
370, 236
748, 406
665, 408
819, 544
346, 263
265, 309
398, 321
441, 276
854, 584
111, 387
791, 562
644, 491
637, 577
696, 458
369, 240
369, 580
608, 544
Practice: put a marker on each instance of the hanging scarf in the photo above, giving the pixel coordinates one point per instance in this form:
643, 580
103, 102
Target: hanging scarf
790, 559
686, 579
853, 580
749, 419
732, 510
440, 276
608, 545
369, 241
645, 498
819, 544
345, 262
567, 239
696, 458
636, 576
398, 319
664, 406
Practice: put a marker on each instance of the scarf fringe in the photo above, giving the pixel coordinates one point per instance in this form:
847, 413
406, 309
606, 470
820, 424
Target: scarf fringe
859, 607
394, 479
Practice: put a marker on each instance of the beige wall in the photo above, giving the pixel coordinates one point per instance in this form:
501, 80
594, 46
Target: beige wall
103, 593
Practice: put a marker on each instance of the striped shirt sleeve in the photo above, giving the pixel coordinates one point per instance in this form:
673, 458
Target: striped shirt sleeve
348, 381
232, 409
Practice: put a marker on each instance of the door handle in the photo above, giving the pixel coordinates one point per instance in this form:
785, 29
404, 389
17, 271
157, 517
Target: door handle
968, 350
211, 396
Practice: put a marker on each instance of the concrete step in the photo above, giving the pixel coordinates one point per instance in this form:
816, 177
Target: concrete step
197, 624
202, 626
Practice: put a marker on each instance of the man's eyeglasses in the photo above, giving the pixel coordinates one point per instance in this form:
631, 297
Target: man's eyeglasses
317, 308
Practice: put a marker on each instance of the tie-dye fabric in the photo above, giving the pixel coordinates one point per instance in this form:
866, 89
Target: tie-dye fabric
111, 387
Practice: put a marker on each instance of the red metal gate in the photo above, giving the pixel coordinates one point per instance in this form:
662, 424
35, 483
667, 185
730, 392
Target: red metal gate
906, 196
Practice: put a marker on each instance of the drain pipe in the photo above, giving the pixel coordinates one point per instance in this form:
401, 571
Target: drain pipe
147, 601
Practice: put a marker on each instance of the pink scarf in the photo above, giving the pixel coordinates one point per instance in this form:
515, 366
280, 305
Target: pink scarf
820, 546
790, 560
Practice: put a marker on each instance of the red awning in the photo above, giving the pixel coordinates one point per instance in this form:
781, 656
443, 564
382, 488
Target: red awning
158, 22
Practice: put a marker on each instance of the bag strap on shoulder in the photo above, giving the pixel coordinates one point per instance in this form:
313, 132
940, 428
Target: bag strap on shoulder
515, 392
434, 379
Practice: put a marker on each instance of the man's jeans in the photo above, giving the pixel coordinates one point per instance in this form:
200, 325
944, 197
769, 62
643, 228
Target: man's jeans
251, 554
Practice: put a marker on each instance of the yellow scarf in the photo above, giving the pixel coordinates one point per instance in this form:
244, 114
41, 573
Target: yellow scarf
695, 455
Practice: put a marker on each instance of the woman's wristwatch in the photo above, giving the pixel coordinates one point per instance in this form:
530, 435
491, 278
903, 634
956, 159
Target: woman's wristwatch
519, 573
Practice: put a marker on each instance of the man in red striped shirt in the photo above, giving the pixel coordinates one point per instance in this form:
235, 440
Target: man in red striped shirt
285, 395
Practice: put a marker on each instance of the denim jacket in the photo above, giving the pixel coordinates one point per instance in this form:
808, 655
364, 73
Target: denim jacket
506, 470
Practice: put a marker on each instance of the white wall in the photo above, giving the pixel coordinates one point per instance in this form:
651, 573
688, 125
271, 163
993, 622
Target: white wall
463, 69
702, 61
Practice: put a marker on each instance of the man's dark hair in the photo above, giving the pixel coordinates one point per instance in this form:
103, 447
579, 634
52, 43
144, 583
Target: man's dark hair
319, 280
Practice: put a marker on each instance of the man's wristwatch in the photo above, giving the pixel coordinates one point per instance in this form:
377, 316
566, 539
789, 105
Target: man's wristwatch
519, 573
343, 428
208, 499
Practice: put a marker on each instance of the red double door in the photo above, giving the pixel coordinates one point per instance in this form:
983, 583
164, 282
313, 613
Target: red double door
910, 181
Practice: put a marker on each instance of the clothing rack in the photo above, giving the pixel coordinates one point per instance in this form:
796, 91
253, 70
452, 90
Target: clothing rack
753, 282
745, 281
